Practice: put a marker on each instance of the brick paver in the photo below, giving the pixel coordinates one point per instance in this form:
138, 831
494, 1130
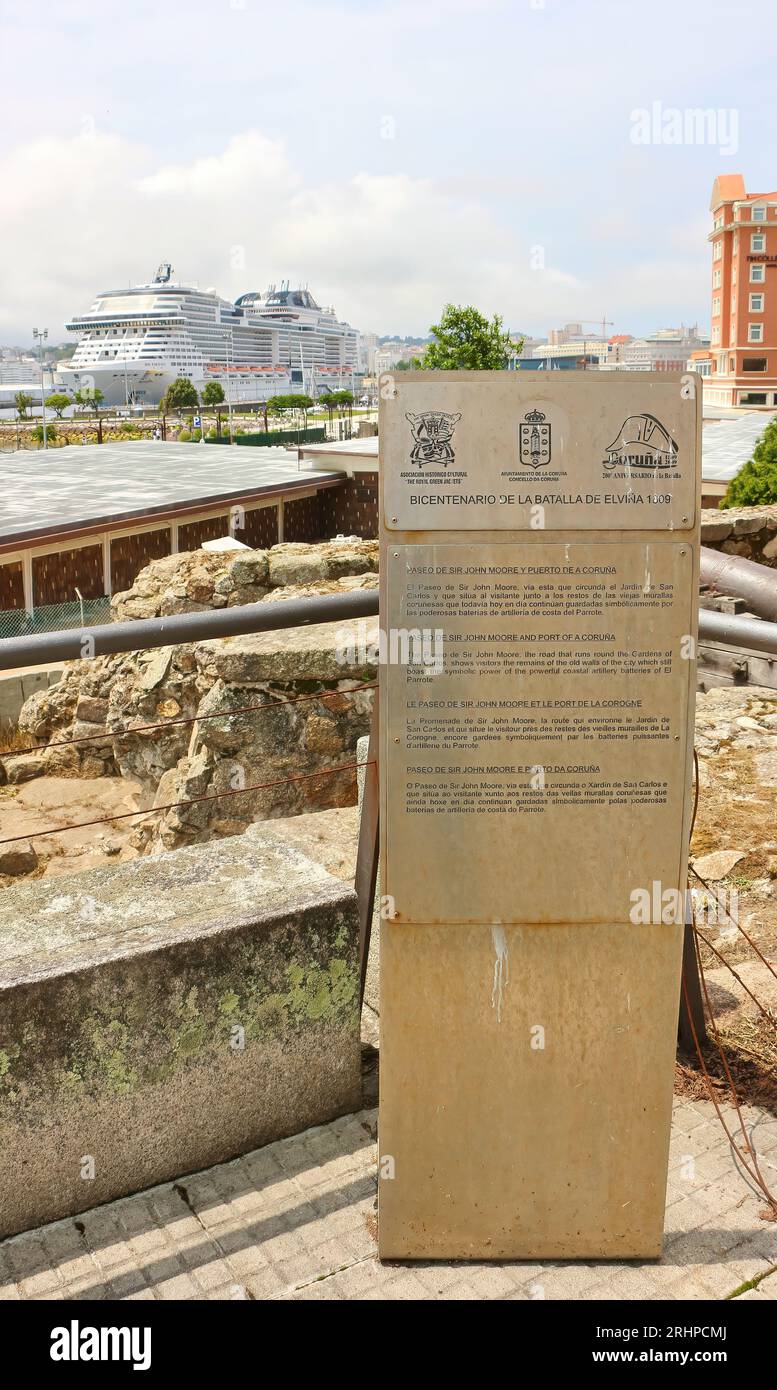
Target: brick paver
296, 1220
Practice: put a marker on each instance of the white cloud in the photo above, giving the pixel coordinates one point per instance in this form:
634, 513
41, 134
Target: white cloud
95, 212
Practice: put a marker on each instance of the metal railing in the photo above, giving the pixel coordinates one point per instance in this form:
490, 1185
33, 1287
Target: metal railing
31, 648
143, 633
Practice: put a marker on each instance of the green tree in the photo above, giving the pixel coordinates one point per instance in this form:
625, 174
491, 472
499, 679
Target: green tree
51, 434
23, 403
180, 395
329, 399
59, 403
407, 366
756, 481
213, 393
303, 403
89, 396
464, 340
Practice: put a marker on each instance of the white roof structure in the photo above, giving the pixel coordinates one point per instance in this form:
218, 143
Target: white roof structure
727, 444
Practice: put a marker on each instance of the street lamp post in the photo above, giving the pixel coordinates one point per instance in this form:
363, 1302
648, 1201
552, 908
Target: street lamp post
40, 335
229, 351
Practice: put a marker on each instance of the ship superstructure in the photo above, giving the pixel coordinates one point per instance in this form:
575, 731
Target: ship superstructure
134, 342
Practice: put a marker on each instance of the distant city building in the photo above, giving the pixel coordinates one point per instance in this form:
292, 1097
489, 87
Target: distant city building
368, 348
666, 350
18, 373
743, 340
589, 350
527, 349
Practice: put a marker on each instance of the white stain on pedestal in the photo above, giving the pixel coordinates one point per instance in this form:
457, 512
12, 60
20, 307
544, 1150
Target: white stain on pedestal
501, 970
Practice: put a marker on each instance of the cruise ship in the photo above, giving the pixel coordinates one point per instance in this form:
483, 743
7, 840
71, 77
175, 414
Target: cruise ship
133, 342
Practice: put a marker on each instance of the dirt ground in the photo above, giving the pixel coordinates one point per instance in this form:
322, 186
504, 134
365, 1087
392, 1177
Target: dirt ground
66, 801
737, 812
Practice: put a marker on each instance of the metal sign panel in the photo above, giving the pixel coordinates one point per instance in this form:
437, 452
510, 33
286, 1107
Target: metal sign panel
586, 453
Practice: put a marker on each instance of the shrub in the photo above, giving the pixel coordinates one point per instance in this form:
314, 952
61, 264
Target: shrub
756, 481
51, 433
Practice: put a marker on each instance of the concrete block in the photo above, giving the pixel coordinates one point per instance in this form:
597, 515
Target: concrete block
165, 1014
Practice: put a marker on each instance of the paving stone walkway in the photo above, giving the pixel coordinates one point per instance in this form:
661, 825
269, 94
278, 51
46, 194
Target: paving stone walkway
297, 1220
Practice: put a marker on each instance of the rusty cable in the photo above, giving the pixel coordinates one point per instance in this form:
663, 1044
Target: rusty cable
190, 801
110, 734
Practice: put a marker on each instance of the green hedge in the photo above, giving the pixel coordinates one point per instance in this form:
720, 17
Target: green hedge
315, 435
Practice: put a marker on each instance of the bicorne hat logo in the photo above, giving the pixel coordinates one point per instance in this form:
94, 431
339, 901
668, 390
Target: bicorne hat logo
642, 442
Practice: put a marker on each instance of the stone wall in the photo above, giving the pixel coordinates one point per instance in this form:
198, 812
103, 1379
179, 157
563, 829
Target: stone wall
111, 694
270, 708
193, 581
747, 531
280, 713
164, 1015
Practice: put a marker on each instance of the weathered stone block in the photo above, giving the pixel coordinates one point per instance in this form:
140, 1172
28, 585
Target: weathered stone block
24, 767
18, 859
92, 710
165, 1014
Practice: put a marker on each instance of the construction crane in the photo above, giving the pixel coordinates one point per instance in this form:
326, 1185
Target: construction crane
602, 323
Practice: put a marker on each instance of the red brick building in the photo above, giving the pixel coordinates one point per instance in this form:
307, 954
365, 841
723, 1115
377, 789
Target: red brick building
743, 338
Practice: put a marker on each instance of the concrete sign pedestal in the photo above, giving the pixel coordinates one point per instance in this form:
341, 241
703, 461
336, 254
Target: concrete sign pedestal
539, 575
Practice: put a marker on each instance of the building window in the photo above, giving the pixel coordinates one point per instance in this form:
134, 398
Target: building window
716, 279
715, 335
756, 303
716, 306
755, 333
754, 364
757, 274
717, 250
758, 241
752, 398
759, 214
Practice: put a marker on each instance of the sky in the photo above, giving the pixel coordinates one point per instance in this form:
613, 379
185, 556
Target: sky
532, 157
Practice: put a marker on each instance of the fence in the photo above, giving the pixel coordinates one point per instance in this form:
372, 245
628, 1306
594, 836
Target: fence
54, 617
315, 435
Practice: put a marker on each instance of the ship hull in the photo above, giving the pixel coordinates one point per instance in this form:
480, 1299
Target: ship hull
139, 386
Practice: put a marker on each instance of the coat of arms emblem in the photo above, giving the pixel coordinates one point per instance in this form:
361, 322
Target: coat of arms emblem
534, 439
432, 436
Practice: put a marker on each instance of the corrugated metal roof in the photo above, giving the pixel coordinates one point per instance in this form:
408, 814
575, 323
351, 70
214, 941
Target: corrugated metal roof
727, 444
77, 486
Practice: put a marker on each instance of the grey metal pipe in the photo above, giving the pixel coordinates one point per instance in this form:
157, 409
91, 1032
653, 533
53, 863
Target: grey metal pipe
736, 630
731, 574
144, 633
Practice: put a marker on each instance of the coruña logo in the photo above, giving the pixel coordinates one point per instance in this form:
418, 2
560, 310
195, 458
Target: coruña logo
642, 442
534, 439
432, 435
